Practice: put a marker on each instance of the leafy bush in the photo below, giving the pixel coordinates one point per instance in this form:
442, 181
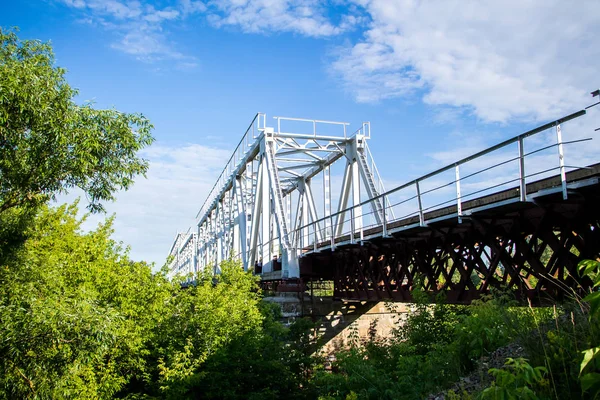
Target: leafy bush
517, 380
589, 370
79, 319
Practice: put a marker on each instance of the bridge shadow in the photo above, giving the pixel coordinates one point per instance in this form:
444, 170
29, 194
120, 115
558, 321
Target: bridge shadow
340, 323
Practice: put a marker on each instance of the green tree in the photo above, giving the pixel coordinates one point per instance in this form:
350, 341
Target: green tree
50, 144
201, 320
76, 314
79, 319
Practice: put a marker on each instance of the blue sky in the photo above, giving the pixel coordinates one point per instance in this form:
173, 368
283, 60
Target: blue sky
437, 79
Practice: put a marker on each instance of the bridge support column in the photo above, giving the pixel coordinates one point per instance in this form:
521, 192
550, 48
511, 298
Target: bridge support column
290, 265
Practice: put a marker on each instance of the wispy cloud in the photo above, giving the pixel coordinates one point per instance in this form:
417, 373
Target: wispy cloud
149, 45
140, 28
305, 17
499, 60
149, 214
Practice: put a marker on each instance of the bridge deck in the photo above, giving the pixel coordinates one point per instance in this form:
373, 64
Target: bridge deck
384, 268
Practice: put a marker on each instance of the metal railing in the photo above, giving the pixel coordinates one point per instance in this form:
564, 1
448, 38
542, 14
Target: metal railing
247, 143
314, 132
414, 200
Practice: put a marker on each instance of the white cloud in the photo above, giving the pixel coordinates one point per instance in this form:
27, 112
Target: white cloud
114, 8
154, 209
148, 45
502, 60
191, 7
306, 17
140, 28
158, 16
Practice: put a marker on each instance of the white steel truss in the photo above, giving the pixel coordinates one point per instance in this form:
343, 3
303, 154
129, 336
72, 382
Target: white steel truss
262, 209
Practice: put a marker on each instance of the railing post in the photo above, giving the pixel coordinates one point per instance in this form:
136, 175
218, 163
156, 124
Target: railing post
315, 237
352, 225
522, 185
458, 200
361, 234
561, 162
384, 230
421, 216
332, 233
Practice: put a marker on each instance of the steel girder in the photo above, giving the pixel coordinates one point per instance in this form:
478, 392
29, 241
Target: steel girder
533, 252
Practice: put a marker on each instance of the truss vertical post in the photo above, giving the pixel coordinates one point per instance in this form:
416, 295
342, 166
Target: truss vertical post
356, 195
327, 200
315, 240
210, 254
305, 214
201, 244
266, 215
220, 233
255, 224
288, 210
236, 221
247, 194
194, 254
240, 226
232, 215
207, 247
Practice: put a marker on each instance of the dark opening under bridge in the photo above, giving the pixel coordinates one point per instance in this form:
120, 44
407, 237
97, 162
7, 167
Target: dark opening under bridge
520, 214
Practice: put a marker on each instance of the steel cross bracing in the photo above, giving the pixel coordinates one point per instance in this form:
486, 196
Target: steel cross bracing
261, 207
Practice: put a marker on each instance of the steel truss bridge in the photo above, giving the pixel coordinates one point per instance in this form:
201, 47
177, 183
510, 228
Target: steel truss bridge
303, 200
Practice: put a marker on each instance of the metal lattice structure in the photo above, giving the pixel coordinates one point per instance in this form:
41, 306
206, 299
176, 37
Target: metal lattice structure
264, 210
519, 214
532, 250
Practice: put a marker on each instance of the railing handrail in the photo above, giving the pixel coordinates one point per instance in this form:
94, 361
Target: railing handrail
448, 167
209, 198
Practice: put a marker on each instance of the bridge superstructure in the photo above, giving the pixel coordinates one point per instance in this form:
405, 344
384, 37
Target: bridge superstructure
264, 208
519, 214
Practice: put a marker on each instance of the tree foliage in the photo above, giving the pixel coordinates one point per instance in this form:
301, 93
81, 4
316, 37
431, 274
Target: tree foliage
49, 143
74, 311
79, 319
